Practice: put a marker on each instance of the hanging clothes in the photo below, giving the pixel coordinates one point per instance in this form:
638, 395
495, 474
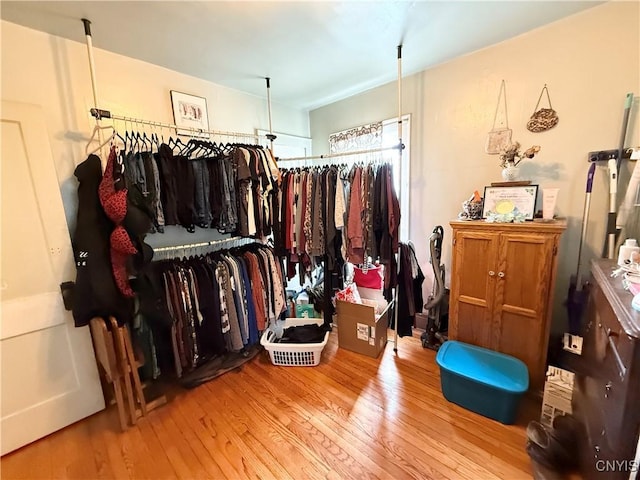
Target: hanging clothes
335, 215
220, 302
232, 188
95, 292
410, 279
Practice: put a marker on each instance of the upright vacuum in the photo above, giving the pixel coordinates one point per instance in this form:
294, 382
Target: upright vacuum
436, 331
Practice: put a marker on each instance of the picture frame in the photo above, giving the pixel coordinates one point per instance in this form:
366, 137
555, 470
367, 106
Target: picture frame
189, 113
506, 200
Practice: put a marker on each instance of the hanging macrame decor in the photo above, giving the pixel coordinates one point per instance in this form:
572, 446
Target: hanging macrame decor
544, 118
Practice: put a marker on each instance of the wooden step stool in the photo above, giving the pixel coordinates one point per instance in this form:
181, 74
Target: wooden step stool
115, 356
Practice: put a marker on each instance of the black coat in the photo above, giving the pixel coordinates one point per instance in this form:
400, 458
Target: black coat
95, 292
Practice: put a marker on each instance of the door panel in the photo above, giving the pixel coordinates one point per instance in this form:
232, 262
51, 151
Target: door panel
520, 338
521, 298
473, 286
476, 253
473, 328
525, 262
49, 374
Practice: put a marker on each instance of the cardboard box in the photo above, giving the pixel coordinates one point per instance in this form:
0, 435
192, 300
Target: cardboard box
359, 330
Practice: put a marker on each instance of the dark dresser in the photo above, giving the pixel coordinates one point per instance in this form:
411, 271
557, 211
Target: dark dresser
606, 395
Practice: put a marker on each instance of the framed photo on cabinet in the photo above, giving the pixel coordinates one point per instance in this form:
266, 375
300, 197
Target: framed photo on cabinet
510, 201
190, 114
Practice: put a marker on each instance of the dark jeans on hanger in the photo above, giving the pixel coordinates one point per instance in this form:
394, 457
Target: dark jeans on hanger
202, 190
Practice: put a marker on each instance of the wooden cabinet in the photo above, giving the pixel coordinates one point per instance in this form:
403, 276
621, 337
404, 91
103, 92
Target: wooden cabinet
502, 282
606, 393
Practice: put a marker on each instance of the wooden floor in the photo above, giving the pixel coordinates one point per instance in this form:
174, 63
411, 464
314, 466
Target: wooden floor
350, 417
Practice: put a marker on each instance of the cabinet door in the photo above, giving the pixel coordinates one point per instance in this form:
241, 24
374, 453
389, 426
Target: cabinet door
525, 263
473, 284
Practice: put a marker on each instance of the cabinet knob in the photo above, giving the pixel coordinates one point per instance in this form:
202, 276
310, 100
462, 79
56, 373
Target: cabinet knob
491, 273
501, 274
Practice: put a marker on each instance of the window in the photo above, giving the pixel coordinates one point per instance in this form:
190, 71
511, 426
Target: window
382, 135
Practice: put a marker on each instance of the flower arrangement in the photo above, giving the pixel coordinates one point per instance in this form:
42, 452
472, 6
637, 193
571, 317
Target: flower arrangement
511, 156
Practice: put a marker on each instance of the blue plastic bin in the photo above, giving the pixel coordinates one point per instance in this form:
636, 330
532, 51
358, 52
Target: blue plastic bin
481, 380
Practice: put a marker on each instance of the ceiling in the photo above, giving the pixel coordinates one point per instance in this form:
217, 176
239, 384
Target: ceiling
315, 52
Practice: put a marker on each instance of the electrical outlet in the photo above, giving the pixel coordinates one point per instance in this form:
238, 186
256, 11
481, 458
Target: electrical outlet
572, 343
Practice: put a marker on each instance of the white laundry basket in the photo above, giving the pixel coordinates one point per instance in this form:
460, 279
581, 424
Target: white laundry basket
294, 354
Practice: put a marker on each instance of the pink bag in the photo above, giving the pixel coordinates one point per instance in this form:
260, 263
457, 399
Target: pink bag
371, 277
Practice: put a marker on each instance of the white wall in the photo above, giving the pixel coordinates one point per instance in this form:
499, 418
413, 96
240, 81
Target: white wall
589, 61
53, 72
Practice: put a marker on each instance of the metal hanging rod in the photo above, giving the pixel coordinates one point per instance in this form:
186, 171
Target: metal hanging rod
164, 253
202, 244
270, 135
345, 154
395, 292
99, 114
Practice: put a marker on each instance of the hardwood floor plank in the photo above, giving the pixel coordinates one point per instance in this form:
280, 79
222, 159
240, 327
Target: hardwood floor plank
180, 454
253, 389
33, 461
275, 423
417, 411
202, 442
387, 446
351, 417
264, 437
160, 466
245, 462
448, 417
101, 422
371, 425
331, 451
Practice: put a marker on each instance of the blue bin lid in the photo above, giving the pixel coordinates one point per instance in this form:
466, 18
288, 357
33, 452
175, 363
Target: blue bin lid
486, 366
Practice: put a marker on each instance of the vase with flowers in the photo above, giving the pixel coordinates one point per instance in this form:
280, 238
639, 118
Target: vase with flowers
510, 157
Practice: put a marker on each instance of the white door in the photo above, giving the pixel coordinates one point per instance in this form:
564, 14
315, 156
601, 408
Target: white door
49, 374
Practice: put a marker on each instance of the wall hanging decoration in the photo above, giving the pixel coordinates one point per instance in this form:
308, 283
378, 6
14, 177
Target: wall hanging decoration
189, 111
499, 137
544, 118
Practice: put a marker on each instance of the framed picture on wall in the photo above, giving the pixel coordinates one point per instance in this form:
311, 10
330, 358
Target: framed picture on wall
189, 114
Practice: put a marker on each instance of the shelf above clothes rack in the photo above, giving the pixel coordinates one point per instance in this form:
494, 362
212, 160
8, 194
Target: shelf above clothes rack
100, 114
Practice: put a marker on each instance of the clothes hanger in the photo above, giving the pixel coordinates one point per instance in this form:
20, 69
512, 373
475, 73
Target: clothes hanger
104, 144
97, 128
146, 141
120, 137
154, 137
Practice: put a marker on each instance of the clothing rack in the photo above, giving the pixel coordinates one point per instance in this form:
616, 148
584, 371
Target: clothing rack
345, 154
99, 114
400, 148
401, 151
